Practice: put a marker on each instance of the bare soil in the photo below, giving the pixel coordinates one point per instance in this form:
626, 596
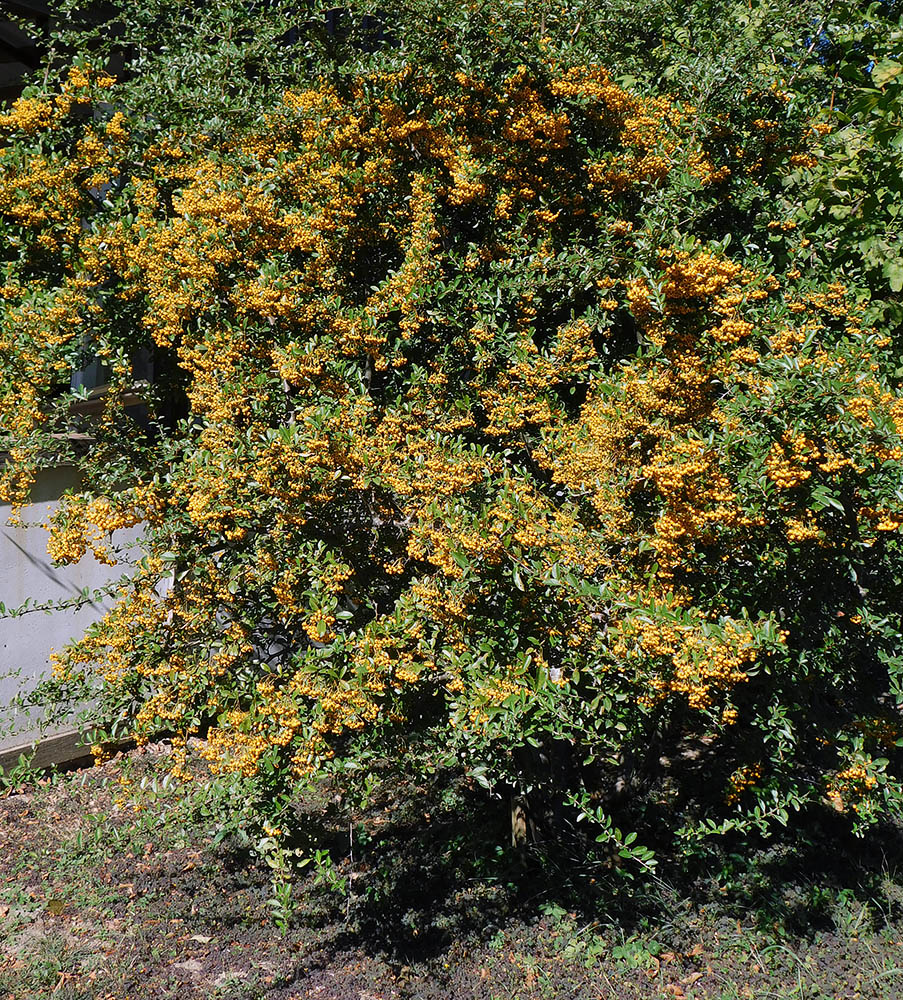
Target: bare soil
103, 900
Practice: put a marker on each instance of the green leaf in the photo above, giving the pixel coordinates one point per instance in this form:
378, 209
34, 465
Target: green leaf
893, 271
461, 560
885, 71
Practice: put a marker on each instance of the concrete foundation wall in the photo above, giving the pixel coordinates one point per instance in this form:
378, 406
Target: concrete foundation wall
26, 573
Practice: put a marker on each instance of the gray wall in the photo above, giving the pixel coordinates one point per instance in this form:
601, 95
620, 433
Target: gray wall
26, 572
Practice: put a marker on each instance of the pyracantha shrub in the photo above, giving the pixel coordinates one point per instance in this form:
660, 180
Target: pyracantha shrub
463, 424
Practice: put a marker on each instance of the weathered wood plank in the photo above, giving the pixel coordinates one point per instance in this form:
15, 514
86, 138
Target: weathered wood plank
61, 750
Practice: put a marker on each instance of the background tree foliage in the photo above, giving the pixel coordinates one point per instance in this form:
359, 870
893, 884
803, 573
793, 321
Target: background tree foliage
526, 393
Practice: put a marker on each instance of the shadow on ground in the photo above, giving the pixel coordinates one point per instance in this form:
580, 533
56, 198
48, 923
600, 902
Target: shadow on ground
424, 898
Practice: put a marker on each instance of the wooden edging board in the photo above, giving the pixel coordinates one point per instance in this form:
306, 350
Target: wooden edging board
65, 750
61, 750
